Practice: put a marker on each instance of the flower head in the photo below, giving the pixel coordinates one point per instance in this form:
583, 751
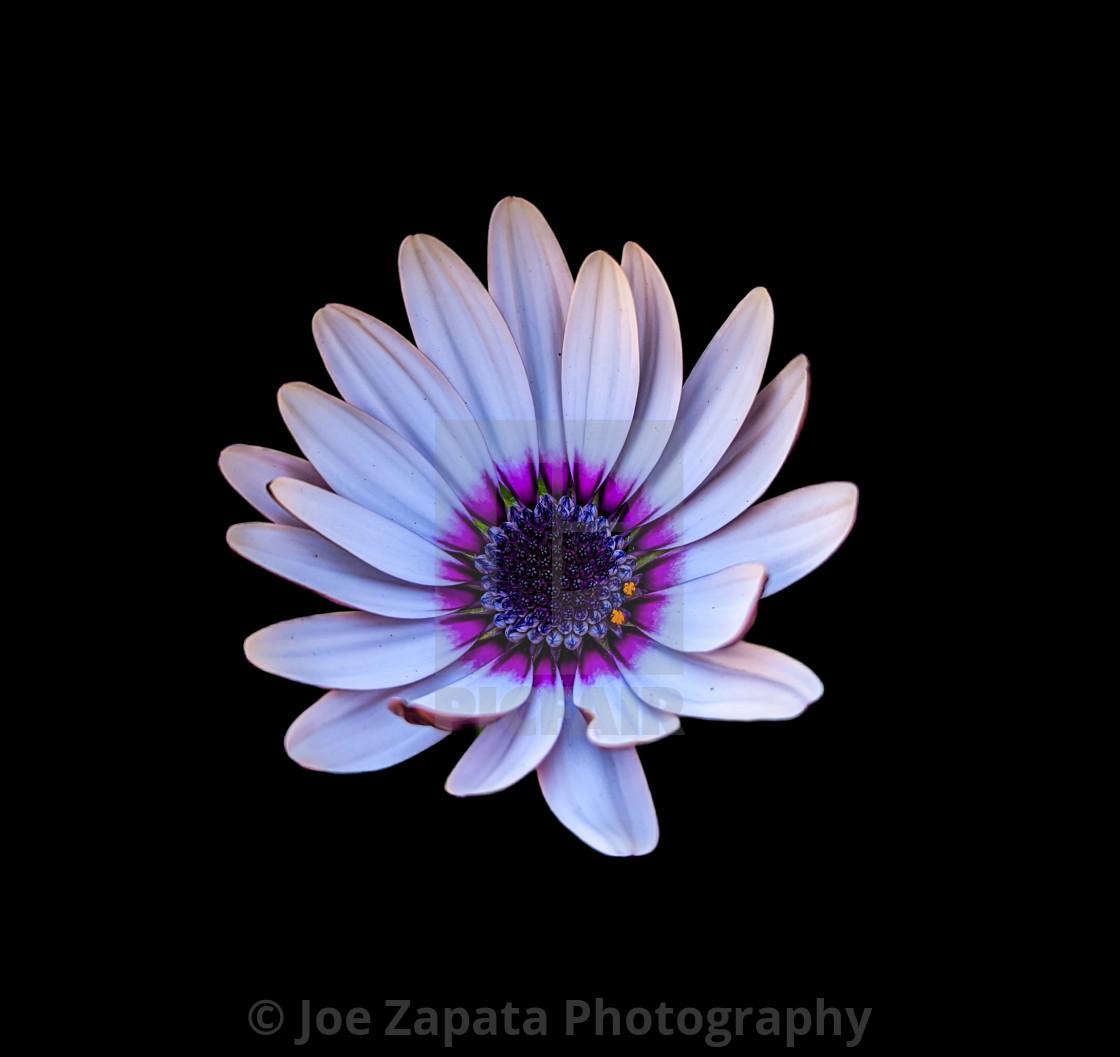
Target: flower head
536, 529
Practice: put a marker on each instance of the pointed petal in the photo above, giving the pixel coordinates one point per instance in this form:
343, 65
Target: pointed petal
249, 469
659, 379
456, 323
790, 534
599, 371
360, 651
761, 662
601, 795
739, 682
348, 731
509, 749
310, 560
367, 535
364, 460
702, 614
747, 468
531, 284
794, 533
616, 715
714, 402
385, 375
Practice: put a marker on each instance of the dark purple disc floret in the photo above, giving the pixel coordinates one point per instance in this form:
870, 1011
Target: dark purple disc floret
554, 573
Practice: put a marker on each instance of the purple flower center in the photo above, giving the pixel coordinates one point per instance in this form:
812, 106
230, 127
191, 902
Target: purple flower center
554, 573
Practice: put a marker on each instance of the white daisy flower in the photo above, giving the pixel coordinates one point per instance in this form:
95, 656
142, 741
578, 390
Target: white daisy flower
538, 530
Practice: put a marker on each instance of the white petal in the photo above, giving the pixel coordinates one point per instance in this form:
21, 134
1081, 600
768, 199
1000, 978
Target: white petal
599, 371
385, 375
505, 751
249, 469
456, 323
714, 402
310, 560
749, 465
659, 379
702, 614
364, 460
790, 534
601, 795
490, 680
531, 284
616, 715
347, 731
373, 538
761, 662
796, 532
739, 682
359, 651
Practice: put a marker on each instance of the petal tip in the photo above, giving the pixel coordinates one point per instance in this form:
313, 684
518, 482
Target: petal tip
450, 787
600, 259
513, 203
290, 394
233, 536
293, 744
251, 648
275, 485
759, 299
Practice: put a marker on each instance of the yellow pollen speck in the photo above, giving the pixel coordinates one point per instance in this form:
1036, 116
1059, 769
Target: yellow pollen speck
617, 616
628, 588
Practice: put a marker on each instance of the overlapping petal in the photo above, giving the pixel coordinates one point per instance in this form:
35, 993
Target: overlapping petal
308, 559
250, 468
360, 651
790, 535
616, 715
531, 284
659, 378
601, 795
386, 376
489, 680
456, 323
507, 750
367, 462
748, 466
599, 372
714, 402
350, 731
740, 682
377, 540
704, 613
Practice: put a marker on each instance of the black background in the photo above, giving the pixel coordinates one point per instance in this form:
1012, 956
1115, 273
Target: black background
790, 864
